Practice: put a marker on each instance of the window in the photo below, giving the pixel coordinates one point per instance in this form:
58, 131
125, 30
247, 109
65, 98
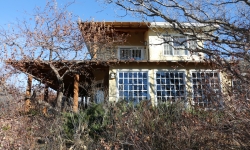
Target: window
99, 92
133, 86
130, 54
240, 90
170, 86
206, 89
177, 45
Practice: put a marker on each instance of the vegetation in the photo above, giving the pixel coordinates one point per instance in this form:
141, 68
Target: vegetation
125, 126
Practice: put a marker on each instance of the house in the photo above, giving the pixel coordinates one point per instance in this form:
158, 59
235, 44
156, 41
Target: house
157, 63
137, 61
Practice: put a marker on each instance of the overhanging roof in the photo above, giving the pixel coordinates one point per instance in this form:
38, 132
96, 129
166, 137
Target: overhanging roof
122, 26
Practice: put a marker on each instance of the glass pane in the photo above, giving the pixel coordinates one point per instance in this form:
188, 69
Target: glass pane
167, 75
130, 87
126, 93
158, 81
120, 81
158, 75
135, 75
140, 75
130, 75
125, 75
120, 75
125, 81
180, 40
140, 81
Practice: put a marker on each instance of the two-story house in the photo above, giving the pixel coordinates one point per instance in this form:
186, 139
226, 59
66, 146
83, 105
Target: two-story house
157, 63
137, 61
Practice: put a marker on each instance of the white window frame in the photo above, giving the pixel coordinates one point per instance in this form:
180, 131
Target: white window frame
170, 45
244, 90
219, 97
141, 48
132, 71
174, 71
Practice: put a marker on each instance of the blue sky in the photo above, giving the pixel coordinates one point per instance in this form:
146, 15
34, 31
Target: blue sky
10, 10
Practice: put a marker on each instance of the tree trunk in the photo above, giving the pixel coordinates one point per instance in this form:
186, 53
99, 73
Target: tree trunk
60, 95
28, 94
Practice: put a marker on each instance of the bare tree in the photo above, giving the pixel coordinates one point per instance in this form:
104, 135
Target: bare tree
226, 40
52, 45
50, 35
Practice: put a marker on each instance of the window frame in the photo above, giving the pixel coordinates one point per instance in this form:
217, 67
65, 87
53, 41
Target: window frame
184, 71
132, 71
170, 44
235, 92
141, 48
220, 102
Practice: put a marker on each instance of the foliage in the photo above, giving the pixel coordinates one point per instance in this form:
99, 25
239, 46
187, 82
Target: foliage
124, 125
169, 126
92, 118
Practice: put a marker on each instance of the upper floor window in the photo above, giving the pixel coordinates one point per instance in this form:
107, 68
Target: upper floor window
178, 45
130, 54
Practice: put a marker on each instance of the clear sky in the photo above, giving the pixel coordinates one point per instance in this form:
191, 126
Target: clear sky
10, 10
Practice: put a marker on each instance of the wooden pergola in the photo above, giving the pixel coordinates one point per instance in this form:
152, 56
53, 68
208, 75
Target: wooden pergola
77, 82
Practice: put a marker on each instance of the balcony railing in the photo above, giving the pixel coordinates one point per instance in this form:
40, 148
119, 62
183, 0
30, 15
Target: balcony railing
130, 54
122, 54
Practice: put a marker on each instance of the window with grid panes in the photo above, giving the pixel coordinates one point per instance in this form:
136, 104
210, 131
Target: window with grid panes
240, 90
170, 86
130, 54
206, 89
133, 86
178, 45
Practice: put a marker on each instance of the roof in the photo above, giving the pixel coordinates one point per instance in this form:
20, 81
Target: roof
122, 26
144, 26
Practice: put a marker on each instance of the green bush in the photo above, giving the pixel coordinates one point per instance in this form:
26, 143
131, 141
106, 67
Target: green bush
93, 117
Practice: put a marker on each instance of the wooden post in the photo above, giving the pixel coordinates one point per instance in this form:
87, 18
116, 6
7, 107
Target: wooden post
28, 94
76, 90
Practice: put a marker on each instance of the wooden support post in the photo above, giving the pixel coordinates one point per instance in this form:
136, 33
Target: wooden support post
28, 94
76, 90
